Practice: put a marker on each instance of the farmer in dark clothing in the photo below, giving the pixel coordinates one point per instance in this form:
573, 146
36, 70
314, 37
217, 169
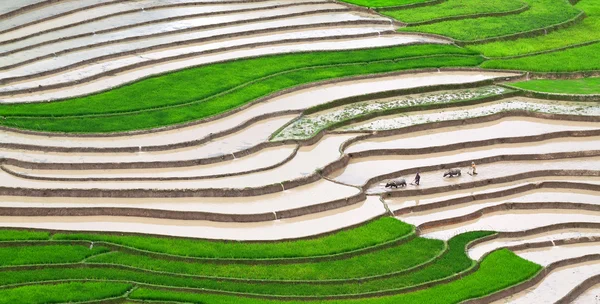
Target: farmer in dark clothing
417, 179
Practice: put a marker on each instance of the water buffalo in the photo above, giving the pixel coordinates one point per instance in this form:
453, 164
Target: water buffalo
452, 172
396, 183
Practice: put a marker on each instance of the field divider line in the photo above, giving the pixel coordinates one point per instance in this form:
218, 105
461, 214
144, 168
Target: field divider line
568, 47
29, 77
408, 6
579, 290
175, 43
166, 256
477, 143
530, 33
266, 216
540, 206
249, 104
331, 127
522, 9
354, 280
177, 31
117, 2
554, 96
24, 9
304, 142
130, 26
553, 243
534, 280
371, 294
246, 84
504, 179
488, 181
493, 195
172, 178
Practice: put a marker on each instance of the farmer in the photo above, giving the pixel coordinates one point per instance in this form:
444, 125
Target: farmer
474, 172
417, 179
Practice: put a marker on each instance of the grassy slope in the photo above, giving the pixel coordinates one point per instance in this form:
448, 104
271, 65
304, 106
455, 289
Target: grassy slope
209, 90
46, 254
373, 233
584, 58
451, 262
497, 271
62, 293
570, 86
413, 253
453, 8
587, 30
383, 3
542, 13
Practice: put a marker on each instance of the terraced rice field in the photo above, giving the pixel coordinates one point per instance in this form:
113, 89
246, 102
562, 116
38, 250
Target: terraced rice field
213, 151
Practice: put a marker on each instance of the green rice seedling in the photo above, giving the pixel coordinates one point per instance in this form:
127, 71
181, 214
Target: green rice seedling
199, 83
47, 254
452, 8
542, 13
384, 3
63, 292
585, 58
447, 265
562, 86
382, 261
584, 32
374, 233
23, 235
217, 104
497, 271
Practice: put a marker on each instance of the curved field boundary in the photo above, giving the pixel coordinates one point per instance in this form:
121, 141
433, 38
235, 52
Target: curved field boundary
6, 81
261, 99
191, 55
81, 9
28, 8
475, 144
186, 144
172, 178
181, 42
178, 31
571, 46
338, 164
487, 160
358, 280
303, 142
388, 292
524, 8
555, 96
460, 274
474, 267
534, 231
496, 194
508, 206
129, 26
579, 290
560, 242
408, 6
166, 256
539, 277
183, 215
315, 139
244, 261
368, 153
525, 34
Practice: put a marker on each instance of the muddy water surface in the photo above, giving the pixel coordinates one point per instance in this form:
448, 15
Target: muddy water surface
276, 230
